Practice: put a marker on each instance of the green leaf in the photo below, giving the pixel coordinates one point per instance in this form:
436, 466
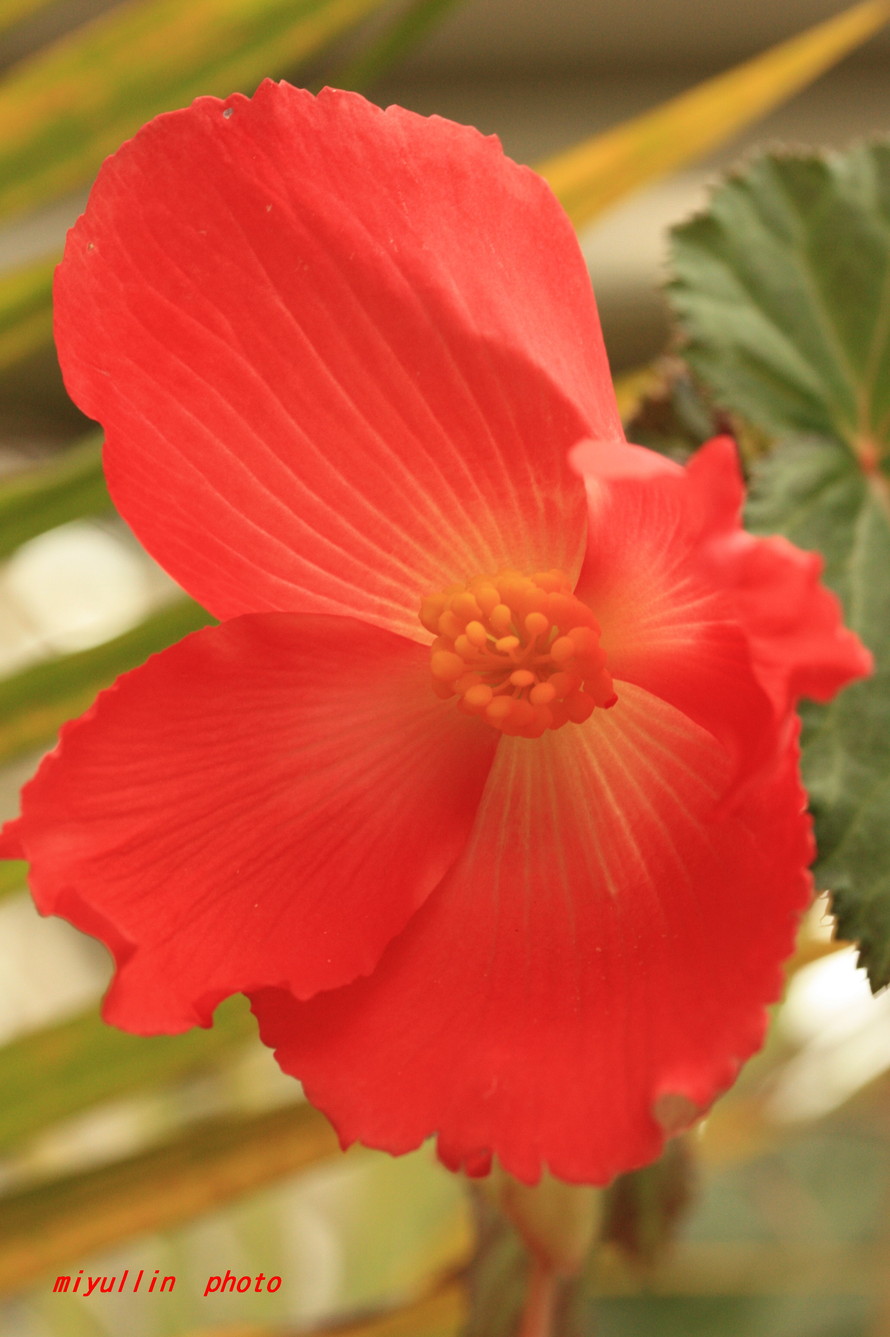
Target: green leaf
812, 492
64, 1069
37, 701
195, 1172
64, 109
783, 287
783, 290
70, 487
597, 173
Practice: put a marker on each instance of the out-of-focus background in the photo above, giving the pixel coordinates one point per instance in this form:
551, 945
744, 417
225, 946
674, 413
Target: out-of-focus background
122, 1153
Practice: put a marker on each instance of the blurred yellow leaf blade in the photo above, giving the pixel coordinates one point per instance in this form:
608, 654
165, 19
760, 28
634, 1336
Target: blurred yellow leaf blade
198, 1171
632, 388
65, 1069
597, 173
13, 11
13, 873
65, 108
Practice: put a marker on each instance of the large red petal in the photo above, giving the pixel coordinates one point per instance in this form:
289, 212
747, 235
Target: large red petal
266, 803
339, 353
591, 973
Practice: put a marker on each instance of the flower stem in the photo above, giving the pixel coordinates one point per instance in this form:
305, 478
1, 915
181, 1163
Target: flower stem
537, 1317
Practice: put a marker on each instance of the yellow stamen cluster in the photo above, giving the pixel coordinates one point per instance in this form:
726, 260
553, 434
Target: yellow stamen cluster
521, 651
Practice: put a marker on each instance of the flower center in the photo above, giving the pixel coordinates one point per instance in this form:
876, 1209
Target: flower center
521, 651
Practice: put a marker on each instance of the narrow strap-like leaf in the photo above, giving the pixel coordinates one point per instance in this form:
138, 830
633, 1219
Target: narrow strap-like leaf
39, 159
37, 701
70, 487
13, 11
596, 174
64, 1069
195, 1172
65, 108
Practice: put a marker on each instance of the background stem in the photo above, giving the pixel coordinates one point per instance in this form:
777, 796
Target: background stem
537, 1317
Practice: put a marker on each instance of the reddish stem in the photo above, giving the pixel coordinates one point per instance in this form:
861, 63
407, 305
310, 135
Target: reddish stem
540, 1302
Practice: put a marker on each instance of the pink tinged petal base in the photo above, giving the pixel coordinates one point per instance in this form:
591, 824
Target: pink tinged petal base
340, 354
590, 974
266, 803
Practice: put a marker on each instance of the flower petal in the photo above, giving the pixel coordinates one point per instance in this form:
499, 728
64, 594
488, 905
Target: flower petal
590, 974
339, 353
794, 625
669, 622
266, 803
692, 605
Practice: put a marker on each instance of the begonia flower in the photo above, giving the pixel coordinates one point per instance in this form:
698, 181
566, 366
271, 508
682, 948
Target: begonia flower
485, 789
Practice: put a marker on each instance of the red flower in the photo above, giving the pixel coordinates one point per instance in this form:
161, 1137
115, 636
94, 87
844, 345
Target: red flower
341, 356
